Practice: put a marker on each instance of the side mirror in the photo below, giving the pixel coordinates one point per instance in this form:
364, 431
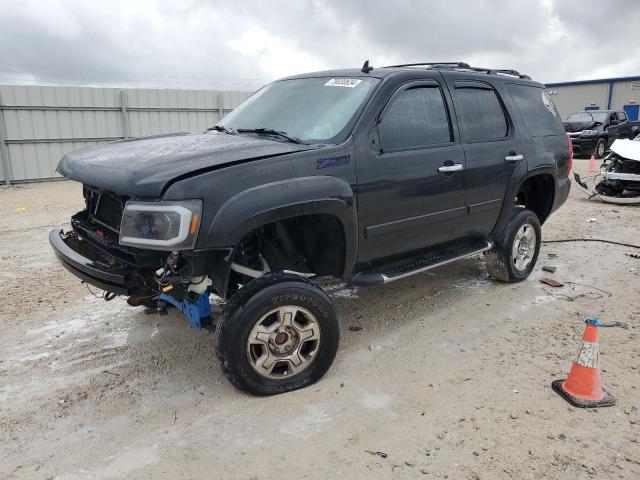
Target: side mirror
613, 122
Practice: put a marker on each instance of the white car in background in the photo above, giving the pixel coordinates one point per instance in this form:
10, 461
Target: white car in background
619, 178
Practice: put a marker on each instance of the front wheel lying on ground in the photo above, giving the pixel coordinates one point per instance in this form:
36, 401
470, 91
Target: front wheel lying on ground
278, 333
516, 251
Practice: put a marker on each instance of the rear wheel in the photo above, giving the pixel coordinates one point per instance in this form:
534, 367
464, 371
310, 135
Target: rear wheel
278, 333
601, 148
516, 251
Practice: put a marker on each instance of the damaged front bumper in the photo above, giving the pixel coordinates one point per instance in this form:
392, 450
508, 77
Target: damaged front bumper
618, 180
110, 273
92, 264
92, 253
592, 193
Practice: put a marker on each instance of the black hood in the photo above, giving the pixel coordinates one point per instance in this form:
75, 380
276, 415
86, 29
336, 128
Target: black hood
143, 166
579, 126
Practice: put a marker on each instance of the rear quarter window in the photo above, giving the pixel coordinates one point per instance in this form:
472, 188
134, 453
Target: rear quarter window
480, 114
540, 115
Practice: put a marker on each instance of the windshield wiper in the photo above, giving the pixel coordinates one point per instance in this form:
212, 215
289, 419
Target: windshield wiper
220, 128
270, 131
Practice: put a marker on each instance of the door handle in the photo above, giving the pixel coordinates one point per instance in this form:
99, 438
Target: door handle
513, 158
456, 167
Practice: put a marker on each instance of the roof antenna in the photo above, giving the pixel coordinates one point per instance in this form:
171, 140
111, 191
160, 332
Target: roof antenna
366, 68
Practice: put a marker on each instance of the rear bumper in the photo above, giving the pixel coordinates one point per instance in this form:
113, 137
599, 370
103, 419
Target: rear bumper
91, 264
564, 187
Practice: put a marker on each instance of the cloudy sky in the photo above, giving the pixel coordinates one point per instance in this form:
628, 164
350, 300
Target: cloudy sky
244, 44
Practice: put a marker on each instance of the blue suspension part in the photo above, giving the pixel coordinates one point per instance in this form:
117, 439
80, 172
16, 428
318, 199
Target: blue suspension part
597, 323
193, 311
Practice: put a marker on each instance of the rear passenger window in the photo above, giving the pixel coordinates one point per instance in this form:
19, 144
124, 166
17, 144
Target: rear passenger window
480, 114
540, 116
622, 116
416, 117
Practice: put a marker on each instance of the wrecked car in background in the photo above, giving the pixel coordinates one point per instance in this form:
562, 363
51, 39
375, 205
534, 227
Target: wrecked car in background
619, 177
368, 175
592, 132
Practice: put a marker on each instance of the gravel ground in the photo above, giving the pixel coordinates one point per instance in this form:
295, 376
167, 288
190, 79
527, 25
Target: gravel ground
449, 376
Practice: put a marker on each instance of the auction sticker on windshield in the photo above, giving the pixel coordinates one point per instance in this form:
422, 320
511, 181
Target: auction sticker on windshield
343, 82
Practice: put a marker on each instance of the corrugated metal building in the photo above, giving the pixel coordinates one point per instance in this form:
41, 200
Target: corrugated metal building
40, 124
622, 93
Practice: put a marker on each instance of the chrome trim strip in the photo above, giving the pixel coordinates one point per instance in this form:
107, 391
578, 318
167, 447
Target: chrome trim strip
632, 177
456, 167
413, 222
477, 207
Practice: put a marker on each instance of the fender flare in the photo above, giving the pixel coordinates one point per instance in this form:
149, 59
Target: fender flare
270, 202
512, 191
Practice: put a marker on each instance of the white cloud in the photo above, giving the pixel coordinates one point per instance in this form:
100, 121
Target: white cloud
273, 55
207, 44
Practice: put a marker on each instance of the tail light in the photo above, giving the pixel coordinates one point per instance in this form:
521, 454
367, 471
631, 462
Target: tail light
569, 155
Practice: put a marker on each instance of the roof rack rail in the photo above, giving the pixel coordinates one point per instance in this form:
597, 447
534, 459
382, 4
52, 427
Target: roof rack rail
500, 71
464, 66
431, 64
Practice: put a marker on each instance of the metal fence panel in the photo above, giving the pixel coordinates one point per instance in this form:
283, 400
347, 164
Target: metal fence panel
40, 124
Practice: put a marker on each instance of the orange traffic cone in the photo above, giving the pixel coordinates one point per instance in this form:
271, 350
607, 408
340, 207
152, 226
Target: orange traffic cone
593, 166
582, 388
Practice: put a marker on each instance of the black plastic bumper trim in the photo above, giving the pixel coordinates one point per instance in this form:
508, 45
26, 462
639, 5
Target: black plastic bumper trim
85, 268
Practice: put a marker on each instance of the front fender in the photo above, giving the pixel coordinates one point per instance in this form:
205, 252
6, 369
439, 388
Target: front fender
283, 199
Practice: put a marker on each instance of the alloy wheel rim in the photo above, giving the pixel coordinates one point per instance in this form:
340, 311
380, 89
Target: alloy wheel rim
283, 342
524, 247
600, 149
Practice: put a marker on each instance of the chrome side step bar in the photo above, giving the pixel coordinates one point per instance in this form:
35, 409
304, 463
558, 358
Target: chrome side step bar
422, 265
485, 248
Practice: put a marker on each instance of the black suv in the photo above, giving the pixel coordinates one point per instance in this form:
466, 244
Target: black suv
592, 132
368, 175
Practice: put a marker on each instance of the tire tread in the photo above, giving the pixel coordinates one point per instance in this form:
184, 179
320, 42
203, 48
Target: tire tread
237, 302
497, 260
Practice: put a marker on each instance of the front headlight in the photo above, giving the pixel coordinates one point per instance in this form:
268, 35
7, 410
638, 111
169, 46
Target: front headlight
161, 225
589, 133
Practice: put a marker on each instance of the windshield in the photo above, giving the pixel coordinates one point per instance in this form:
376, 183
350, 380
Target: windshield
588, 117
310, 109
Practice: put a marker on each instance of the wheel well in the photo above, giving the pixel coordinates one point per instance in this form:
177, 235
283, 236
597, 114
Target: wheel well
537, 193
308, 243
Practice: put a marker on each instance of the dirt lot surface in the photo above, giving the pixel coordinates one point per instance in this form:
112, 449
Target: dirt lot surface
449, 376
